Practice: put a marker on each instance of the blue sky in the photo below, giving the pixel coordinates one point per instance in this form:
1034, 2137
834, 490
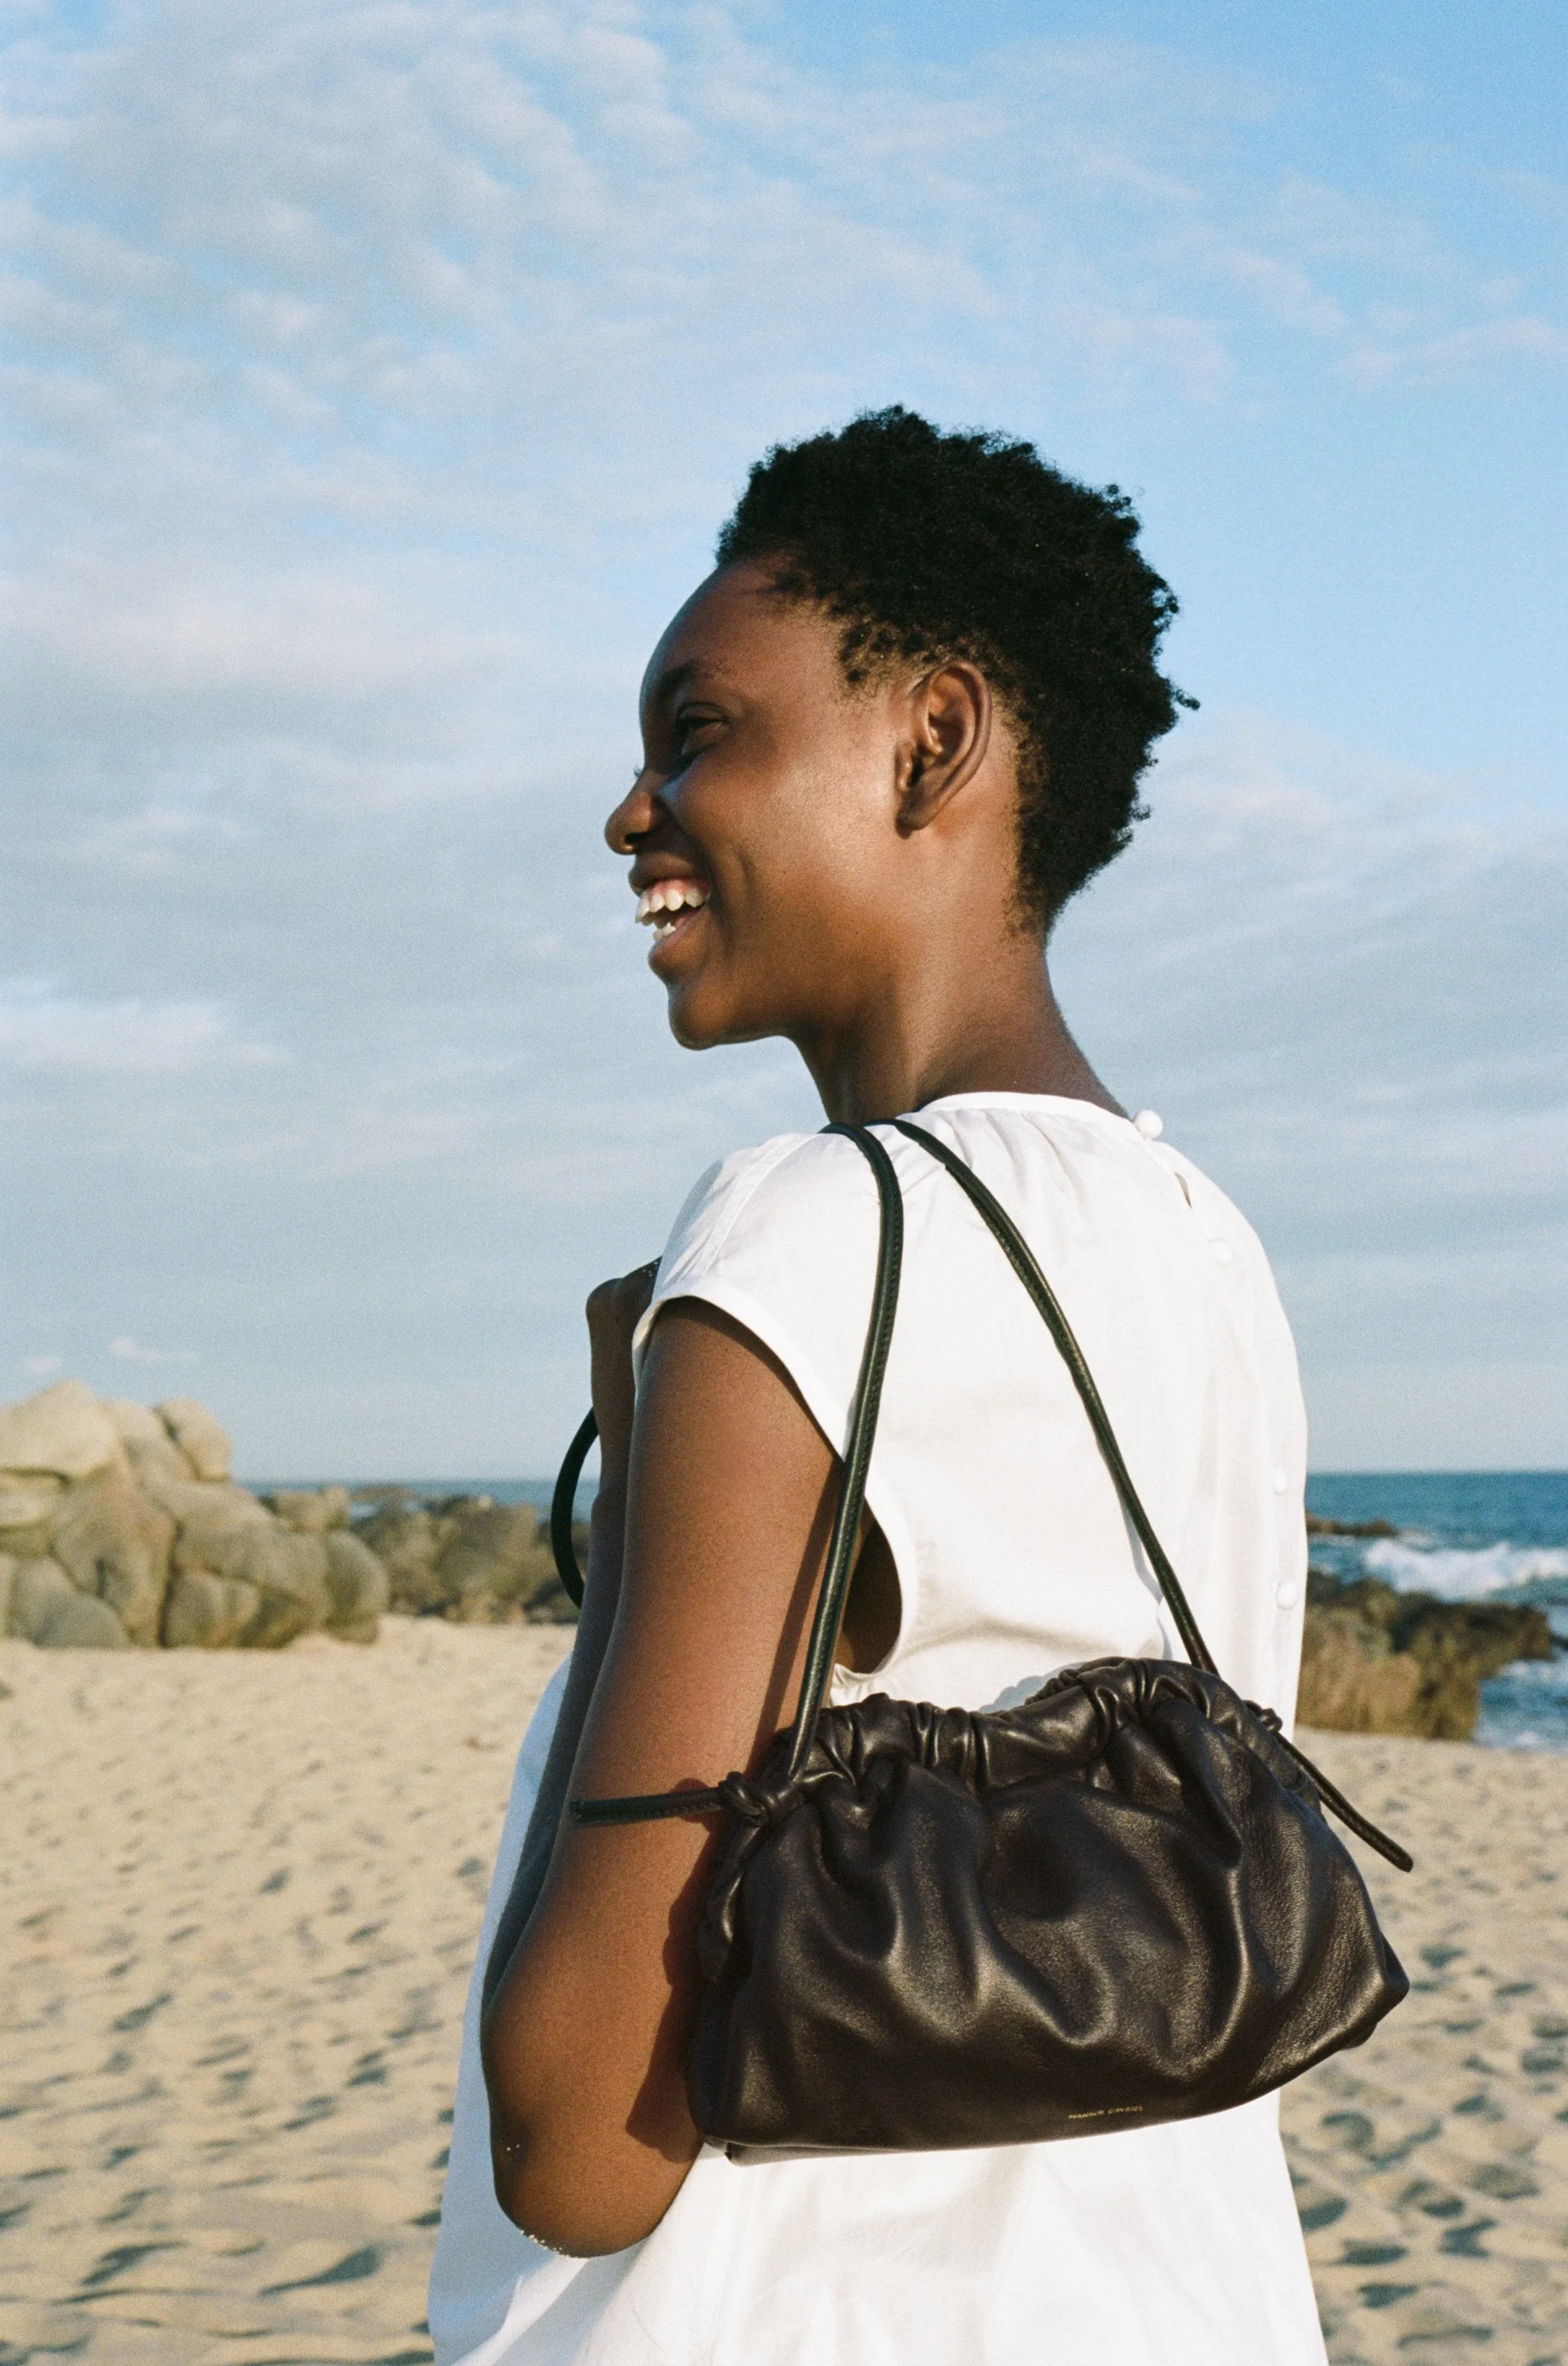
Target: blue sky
377, 376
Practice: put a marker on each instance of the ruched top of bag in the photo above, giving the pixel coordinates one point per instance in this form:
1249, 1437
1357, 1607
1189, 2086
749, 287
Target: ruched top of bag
1157, 2247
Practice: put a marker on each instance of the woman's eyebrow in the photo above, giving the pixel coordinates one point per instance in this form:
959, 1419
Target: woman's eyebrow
676, 677
658, 694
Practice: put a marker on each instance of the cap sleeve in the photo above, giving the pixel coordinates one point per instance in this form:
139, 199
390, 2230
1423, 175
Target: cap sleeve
783, 1239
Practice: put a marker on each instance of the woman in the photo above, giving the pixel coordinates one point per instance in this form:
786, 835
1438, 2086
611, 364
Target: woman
900, 725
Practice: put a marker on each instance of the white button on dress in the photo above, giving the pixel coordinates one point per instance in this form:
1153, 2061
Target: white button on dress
1282, 1478
1150, 1125
1287, 1596
1223, 1251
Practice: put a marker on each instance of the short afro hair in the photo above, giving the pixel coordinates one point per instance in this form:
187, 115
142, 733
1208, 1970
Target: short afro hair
928, 546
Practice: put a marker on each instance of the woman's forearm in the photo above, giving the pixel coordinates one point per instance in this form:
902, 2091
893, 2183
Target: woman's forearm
586, 2038
600, 1594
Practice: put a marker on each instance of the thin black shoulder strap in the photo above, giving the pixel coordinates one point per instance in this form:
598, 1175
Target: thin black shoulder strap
852, 1497
847, 1520
1021, 1258
857, 1449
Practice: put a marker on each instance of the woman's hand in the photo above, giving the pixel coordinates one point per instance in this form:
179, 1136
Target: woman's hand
614, 1311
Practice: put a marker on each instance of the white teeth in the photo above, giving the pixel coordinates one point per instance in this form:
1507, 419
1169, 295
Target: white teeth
670, 896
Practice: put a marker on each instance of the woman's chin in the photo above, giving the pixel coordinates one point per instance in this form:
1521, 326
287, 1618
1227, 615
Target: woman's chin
702, 1015
695, 1025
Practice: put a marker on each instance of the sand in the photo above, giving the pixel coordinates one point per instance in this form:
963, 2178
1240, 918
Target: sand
1431, 2165
242, 1896
243, 1890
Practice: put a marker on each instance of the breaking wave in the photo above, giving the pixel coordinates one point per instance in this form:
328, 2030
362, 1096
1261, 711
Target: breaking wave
1456, 1574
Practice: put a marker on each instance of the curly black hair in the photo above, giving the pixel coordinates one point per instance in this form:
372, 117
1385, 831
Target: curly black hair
928, 546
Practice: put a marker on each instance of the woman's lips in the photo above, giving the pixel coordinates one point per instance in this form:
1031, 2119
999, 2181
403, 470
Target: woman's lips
679, 926
671, 908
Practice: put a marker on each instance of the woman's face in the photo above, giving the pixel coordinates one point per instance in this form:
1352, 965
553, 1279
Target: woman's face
764, 822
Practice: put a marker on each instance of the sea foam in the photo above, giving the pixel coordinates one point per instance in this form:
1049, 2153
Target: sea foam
1456, 1574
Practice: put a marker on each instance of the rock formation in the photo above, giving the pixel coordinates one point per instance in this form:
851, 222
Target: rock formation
467, 1557
1375, 1661
120, 1524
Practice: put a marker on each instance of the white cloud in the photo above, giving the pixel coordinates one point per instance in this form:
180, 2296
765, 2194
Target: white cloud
470, 215
381, 378
121, 645
1339, 991
154, 842
128, 1351
41, 1029
1458, 354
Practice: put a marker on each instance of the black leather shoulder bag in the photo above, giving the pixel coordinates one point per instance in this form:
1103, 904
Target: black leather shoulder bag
1117, 1904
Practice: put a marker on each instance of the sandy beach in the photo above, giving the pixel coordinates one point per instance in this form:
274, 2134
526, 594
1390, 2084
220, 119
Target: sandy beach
242, 1896
1431, 2166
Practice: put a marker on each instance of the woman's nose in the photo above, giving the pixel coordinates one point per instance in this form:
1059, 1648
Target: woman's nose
633, 817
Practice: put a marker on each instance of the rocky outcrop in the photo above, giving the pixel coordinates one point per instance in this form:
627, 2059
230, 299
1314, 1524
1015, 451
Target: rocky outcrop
43, 1605
62, 1433
148, 1445
357, 1587
203, 1445
310, 1511
1375, 1661
1317, 1526
468, 1558
120, 1524
114, 1543
204, 1611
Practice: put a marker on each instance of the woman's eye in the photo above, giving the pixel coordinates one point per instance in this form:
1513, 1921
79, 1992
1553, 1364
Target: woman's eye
692, 732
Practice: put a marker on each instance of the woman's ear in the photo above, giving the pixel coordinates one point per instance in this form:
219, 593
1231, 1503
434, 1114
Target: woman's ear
949, 732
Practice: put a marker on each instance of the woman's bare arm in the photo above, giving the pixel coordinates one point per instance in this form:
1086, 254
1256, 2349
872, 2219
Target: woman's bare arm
729, 1492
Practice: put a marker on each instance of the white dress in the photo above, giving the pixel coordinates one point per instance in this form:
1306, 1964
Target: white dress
1174, 2246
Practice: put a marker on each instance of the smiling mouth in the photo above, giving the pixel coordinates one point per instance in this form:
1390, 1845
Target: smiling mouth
667, 903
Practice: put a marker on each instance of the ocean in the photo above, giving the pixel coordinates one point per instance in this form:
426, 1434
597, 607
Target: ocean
1466, 1536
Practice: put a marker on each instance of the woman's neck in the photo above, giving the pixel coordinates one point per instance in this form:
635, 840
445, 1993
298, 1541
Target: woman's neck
1001, 1031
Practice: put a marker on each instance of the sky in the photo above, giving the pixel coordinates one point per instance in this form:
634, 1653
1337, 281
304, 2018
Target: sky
377, 374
